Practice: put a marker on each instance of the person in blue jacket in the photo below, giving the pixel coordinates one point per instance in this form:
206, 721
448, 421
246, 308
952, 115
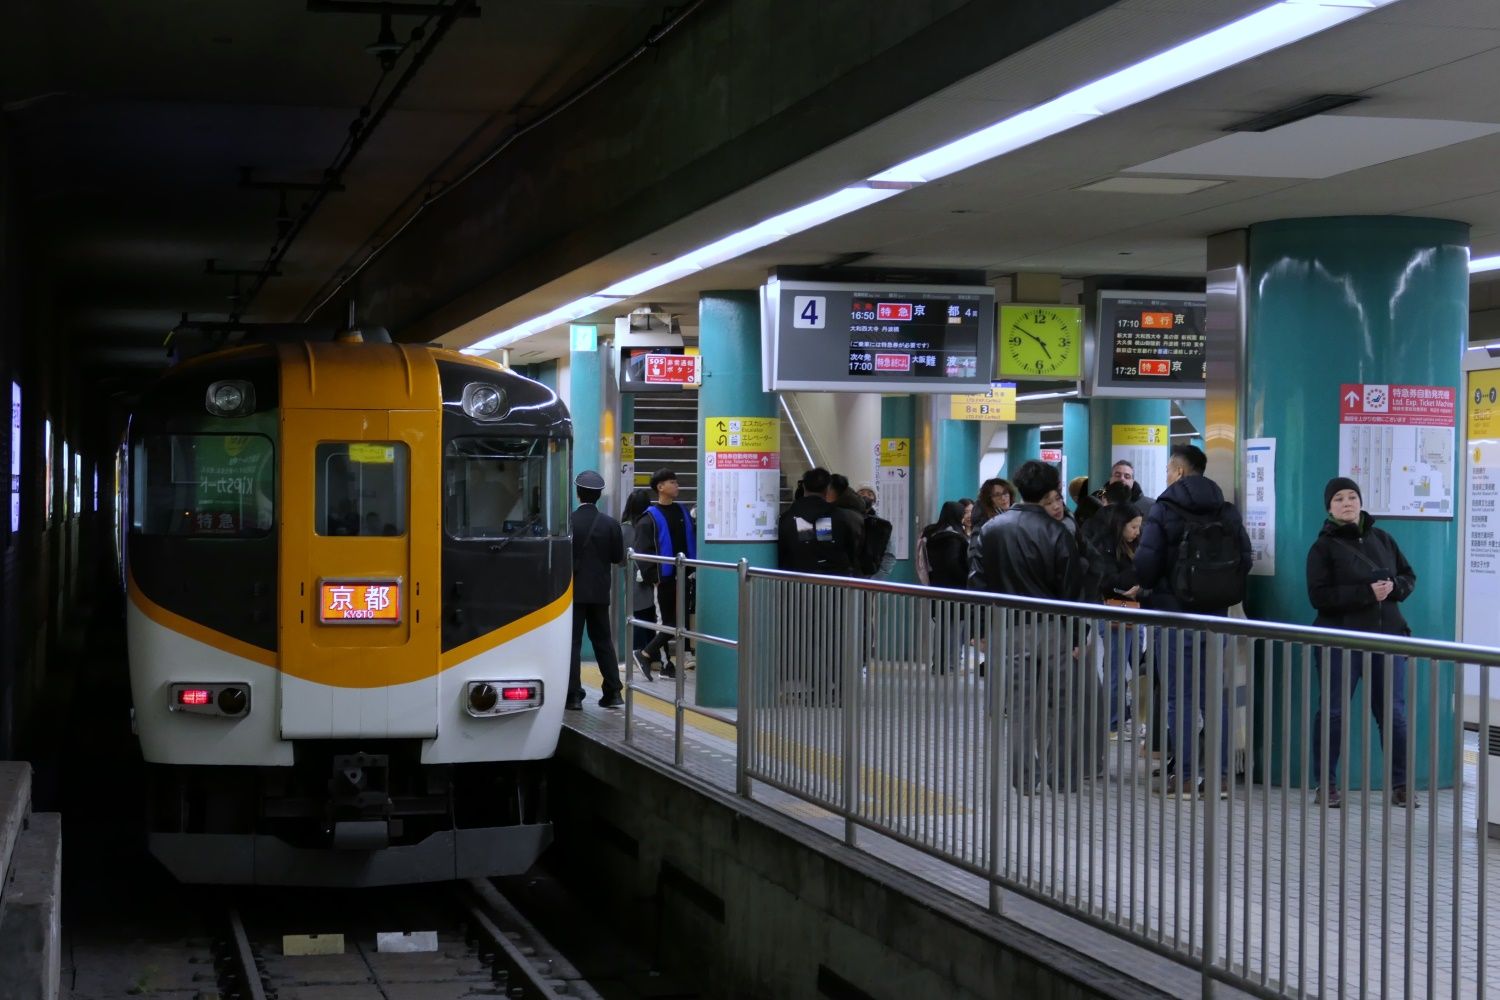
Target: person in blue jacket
665, 530
1190, 495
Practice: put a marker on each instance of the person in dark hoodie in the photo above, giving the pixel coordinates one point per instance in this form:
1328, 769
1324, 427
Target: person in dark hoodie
1357, 578
1190, 496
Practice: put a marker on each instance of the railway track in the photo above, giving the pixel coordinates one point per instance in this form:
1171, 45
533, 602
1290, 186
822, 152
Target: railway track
437, 942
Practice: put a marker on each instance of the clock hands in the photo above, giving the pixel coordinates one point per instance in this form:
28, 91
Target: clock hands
1040, 342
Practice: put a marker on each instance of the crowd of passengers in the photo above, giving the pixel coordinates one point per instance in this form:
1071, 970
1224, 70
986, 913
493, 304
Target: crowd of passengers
1186, 550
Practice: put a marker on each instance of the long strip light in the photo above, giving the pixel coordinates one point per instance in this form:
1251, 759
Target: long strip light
1032, 397
1479, 264
1267, 29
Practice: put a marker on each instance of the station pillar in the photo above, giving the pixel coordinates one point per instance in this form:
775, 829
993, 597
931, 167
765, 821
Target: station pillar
1023, 442
1105, 416
729, 338
958, 460
1076, 443
898, 419
1329, 301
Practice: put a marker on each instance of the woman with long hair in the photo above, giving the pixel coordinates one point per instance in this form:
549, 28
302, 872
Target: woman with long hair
995, 497
1110, 552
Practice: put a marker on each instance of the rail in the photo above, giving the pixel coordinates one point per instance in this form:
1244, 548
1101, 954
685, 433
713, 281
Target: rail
974, 728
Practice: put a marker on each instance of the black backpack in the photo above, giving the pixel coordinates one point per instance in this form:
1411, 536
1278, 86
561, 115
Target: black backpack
877, 540
1206, 575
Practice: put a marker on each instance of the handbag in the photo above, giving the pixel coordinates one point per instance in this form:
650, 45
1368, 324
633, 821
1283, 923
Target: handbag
1121, 602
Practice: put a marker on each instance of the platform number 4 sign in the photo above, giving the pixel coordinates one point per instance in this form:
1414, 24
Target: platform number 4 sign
809, 312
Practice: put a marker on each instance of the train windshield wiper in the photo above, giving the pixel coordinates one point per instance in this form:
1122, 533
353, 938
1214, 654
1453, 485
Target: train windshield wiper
515, 533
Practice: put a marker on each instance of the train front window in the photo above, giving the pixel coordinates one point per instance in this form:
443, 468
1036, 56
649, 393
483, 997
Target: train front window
361, 488
203, 485
505, 487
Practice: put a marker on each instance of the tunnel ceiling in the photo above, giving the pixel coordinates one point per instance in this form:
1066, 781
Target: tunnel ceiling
130, 127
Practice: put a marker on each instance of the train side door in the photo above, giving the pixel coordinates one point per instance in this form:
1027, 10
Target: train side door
359, 628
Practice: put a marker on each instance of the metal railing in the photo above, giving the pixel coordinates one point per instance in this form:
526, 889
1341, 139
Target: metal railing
973, 728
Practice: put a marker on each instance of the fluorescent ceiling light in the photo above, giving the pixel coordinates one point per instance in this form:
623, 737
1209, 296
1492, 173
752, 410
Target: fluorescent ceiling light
1484, 264
1269, 28
1031, 397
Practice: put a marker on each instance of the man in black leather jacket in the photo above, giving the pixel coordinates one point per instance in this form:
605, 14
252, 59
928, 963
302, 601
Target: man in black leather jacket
1027, 551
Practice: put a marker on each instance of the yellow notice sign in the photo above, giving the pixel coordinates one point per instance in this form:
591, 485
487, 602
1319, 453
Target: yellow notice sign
742, 434
997, 404
895, 453
627, 447
372, 454
1136, 435
1484, 405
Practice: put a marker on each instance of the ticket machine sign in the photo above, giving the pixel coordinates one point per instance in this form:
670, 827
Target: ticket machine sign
360, 602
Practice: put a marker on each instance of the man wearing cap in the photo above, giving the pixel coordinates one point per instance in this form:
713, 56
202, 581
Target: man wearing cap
665, 530
597, 545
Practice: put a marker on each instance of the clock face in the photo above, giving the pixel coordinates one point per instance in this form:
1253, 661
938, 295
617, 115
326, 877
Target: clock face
1041, 341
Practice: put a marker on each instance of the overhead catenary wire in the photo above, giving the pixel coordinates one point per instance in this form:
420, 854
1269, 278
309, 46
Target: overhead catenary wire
653, 38
360, 130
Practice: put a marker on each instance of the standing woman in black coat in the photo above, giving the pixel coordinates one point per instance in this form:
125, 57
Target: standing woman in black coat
1356, 579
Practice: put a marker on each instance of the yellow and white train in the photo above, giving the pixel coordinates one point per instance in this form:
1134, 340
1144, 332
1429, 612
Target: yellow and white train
349, 609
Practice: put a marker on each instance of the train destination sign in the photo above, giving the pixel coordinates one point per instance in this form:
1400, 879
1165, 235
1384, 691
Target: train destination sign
1150, 344
360, 602
881, 338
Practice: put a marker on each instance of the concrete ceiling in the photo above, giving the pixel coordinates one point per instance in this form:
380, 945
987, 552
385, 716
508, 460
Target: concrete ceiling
128, 125
1417, 59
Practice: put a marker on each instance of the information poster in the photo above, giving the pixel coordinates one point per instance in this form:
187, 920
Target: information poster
627, 466
1397, 442
997, 404
1481, 568
1260, 504
893, 491
741, 479
1145, 446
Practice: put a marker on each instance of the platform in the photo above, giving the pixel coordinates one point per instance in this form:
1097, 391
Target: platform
1270, 885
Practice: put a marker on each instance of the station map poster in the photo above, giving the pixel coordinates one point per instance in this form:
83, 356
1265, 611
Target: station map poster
893, 491
877, 338
1145, 446
1150, 344
1260, 504
1481, 568
1397, 442
741, 492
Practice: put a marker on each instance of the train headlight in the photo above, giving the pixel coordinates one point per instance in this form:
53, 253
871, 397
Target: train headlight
230, 701
483, 699
483, 401
232, 398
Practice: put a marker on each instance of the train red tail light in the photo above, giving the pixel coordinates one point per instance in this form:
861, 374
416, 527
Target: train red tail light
229, 701
490, 698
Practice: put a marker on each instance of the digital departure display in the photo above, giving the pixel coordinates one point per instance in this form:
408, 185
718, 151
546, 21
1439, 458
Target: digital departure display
925, 336
929, 338
1150, 344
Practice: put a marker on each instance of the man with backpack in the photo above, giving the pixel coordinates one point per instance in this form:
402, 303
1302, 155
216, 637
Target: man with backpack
817, 536
1194, 556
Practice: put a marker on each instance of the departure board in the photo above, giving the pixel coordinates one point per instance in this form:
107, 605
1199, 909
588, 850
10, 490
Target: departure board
931, 338
1150, 344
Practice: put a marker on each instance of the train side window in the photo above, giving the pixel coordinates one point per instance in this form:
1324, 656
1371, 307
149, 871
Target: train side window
361, 488
203, 485
504, 487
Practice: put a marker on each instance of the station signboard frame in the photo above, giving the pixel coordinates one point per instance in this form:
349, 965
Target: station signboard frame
877, 337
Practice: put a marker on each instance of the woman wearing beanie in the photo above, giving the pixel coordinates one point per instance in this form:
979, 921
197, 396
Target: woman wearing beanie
1356, 579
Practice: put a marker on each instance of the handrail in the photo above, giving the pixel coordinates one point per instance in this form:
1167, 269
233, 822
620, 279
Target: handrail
1248, 628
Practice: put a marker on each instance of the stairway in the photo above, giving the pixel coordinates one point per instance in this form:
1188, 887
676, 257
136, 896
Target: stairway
666, 436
